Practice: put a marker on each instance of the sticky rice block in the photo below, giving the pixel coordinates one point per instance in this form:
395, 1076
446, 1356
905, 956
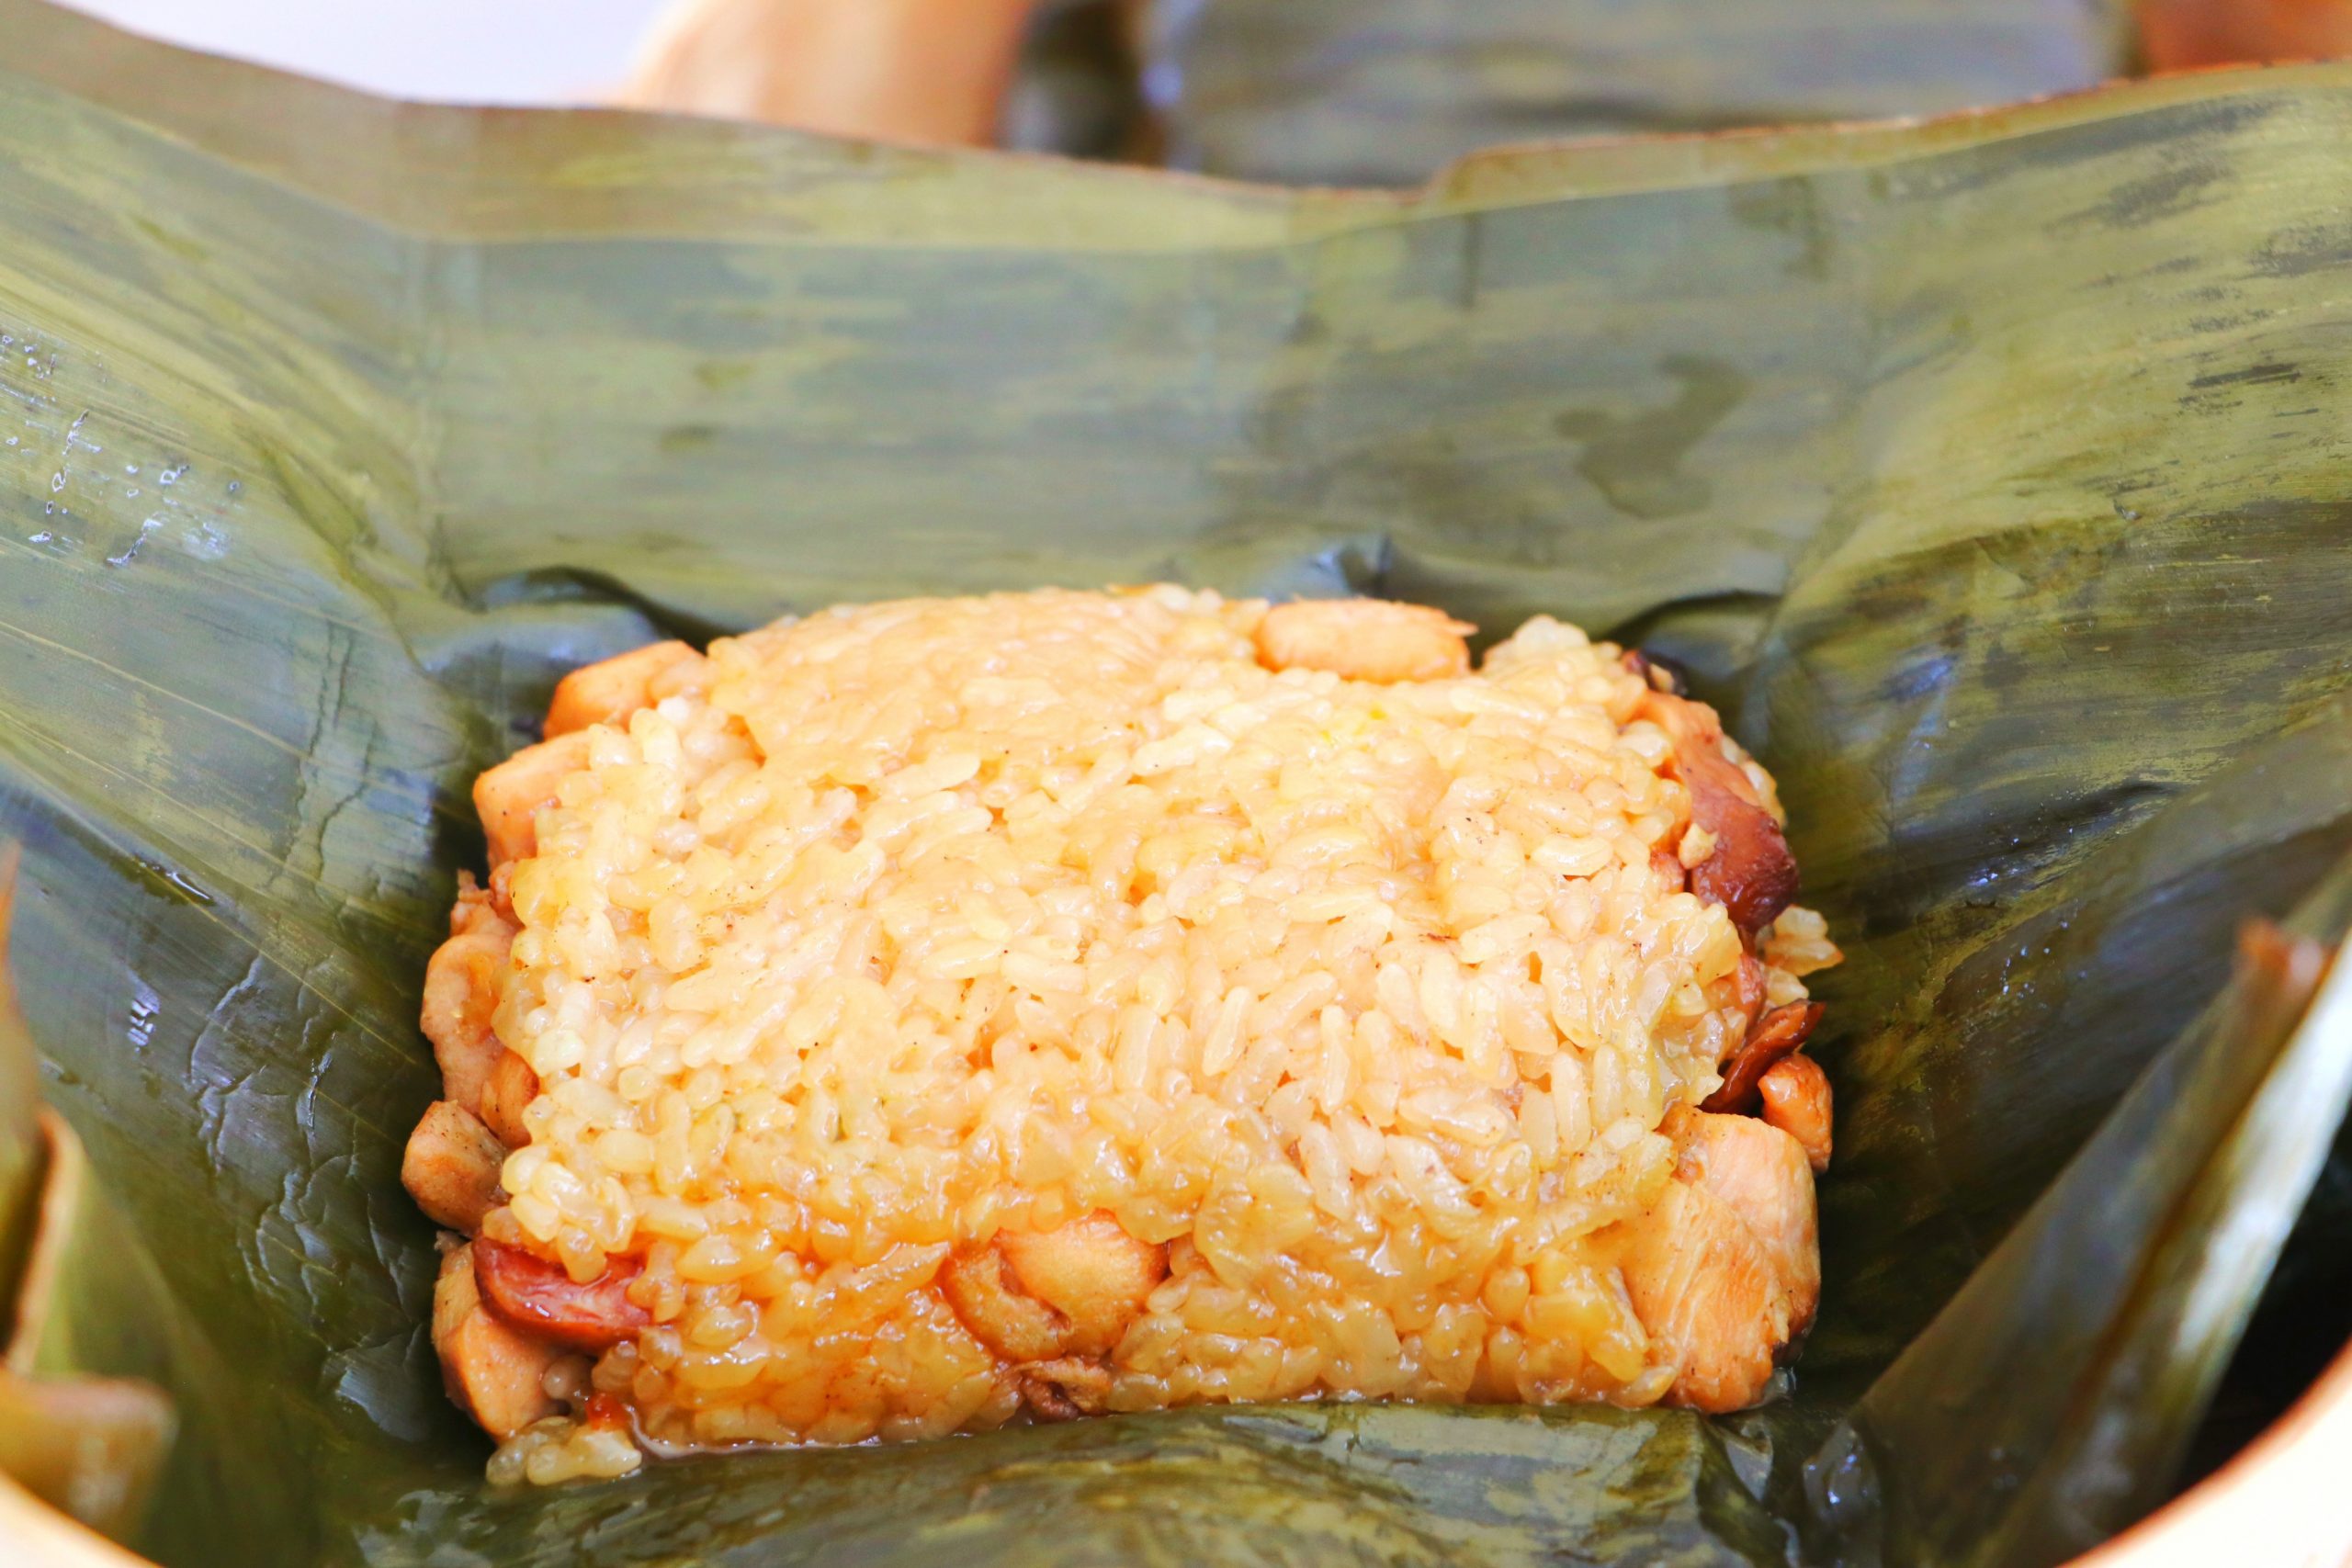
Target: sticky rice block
1068, 1002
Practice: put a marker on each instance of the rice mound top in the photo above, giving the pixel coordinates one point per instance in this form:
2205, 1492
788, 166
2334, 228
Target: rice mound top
920, 923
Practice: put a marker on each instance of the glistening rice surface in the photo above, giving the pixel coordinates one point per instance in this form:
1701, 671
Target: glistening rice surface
898, 931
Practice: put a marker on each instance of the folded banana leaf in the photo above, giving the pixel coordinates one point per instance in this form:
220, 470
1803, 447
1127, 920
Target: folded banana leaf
1990, 474
1385, 92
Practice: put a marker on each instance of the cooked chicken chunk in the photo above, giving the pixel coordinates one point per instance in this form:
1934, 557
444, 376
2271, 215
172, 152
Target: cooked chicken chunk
1797, 1101
510, 1086
609, 692
481, 909
1723, 1273
1364, 640
986, 1294
508, 797
1047, 1295
1091, 1272
1760, 1172
462, 990
450, 1166
495, 1373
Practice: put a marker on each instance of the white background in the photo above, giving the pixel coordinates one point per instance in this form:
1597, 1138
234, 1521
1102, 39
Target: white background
506, 51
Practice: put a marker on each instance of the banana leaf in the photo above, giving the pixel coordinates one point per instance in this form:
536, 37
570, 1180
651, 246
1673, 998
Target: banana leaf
1385, 92
1988, 473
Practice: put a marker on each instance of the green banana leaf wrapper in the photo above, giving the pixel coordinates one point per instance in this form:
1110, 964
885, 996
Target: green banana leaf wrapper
1990, 475
1385, 92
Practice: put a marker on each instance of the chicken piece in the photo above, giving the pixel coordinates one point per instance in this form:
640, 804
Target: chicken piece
1710, 1299
1762, 1174
537, 1297
1797, 1101
1778, 1034
450, 1166
479, 908
496, 1373
509, 1086
1723, 1271
1091, 1272
508, 797
1364, 640
1048, 1295
987, 1295
609, 692
1748, 869
462, 983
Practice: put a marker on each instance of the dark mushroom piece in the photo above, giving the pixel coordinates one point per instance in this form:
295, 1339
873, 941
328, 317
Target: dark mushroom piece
1748, 870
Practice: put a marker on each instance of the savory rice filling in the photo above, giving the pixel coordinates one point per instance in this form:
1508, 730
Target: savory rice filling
913, 1013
